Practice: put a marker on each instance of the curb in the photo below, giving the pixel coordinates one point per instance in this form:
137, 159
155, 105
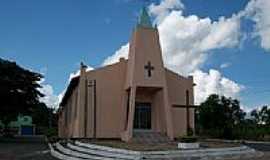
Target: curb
238, 141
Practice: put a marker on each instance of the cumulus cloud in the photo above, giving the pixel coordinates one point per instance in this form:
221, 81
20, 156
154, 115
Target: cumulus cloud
50, 98
258, 11
160, 11
187, 40
214, 83
122, 52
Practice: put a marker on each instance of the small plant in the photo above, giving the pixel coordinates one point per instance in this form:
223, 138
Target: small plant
190, 131
51, 132
188, 139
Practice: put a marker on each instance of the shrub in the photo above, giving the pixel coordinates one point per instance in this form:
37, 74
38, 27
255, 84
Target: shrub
190, 132
51, 132
188, 139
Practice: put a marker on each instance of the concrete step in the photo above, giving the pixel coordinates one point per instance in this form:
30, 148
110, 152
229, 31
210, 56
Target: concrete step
83, 151
109, 153
60, 155
106, 148
64, 153
75, 151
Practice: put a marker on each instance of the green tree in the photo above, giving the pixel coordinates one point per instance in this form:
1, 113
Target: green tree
261, 116
40, 115
18, 90
44, 118
219, 114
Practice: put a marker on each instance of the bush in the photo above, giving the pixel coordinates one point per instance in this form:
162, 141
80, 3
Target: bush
188, 139
244, 132
51, 132
212, 133
190, 132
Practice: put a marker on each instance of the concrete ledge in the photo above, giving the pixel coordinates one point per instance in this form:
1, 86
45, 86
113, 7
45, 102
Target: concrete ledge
182, 145
239, 141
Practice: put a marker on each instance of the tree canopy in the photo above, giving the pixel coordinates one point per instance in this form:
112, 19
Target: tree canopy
261, 116
220, 113
18, 90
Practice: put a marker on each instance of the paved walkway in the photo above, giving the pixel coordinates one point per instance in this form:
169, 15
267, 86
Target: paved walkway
24, 148
265, 148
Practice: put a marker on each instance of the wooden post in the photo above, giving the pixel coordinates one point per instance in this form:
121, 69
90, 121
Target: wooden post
187, 110
85, 109
93, 84
95, 110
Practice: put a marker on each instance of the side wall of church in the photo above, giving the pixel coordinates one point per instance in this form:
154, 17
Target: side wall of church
177, 87
110, 100
73, 112
60, 124
67, 116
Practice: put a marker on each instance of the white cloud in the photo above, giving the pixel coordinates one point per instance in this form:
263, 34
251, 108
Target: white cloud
50, 98
214, 82
61, 95
225, 65
122, 52
161, 10
186, 41
258, 11
77, 73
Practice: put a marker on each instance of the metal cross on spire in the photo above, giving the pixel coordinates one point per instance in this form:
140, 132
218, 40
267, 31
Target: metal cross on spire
144, 19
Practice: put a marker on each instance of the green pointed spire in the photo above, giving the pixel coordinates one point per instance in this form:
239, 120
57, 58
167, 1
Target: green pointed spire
144, 19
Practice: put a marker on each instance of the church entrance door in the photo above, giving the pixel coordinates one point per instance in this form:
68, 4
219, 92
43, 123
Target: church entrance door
142, 117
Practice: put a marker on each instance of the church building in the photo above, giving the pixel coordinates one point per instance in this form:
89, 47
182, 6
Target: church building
135, 95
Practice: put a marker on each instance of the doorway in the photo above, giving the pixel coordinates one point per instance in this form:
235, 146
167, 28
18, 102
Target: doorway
142, 117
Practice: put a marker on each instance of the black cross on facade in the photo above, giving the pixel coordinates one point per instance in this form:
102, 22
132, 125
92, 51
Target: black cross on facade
149, 68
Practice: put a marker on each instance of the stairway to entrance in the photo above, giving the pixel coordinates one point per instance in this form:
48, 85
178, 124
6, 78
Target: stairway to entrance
149, 137
76, 150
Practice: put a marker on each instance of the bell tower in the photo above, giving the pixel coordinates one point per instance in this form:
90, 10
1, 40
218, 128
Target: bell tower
145, 71
145, 64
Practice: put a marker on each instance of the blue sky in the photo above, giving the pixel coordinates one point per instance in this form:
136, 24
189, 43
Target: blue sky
53, 36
